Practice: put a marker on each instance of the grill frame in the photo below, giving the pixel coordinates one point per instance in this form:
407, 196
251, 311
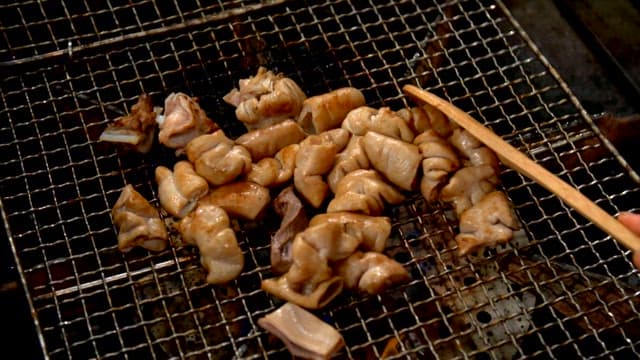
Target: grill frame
73, 286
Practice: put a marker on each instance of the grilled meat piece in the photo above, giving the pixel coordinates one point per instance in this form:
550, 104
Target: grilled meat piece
183, 121
266, 142
217, 159
425, 117
242, 199
304, 334
397, 160
275, 171
313, 298
339, 137
373, 230
439, 161
207, 227
180, 190
475, 152
352, 158
266, 99
314, 159
138, 222
489, 222
294, 220
363, 191
371, 272
136, 130
326, 111
383, 121
468, 185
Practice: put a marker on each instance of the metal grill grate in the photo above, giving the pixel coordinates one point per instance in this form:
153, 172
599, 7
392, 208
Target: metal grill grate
562, 288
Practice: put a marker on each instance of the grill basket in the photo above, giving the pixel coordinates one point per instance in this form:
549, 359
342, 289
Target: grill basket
561, 288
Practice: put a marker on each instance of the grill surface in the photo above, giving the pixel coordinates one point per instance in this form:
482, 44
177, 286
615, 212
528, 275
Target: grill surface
562, 288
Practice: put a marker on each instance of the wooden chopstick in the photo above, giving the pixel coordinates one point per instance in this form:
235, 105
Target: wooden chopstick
518, 161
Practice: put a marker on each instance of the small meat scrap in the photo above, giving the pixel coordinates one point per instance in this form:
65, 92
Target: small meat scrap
207, 227
304, 334
352, 158
314, 159
364, 191
138, 222
183, 121
327, 111
439, 162
468, 185
397, 160
265, 99
266, 142
383, 121
275, 171
371, 272
180, 190
294, 220
134, 131
243, 199
217, 158
489, 222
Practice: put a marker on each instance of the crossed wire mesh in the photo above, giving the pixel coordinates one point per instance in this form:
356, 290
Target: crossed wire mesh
544, 295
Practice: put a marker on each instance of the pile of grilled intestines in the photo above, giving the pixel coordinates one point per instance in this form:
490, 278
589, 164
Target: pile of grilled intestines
329, 155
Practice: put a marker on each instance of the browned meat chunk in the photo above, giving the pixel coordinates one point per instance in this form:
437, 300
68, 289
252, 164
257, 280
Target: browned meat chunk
421, 119
489, 222
243, 199
314, 159
373, 230
371, 272
266, 142
440, 160
383, 121
324, 112
207, 227
397, 160
138, 222
294, 220
217, 159
475, 152
352, 158
180, 190
363, 191
134, 131
183, 121
304, 334
266, 99
275, 171
468, 185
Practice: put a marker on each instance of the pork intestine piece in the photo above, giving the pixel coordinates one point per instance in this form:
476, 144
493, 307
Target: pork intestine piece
217, 158
183, 121
468, 185
304, 334
371, 272
314, 159
397, 160
476, 152
207, 227
327, 111
275, 171
352, 158
439, 162
364, 191
136, 130
242, 199
266, 142
489, 222
426, 117
315, 298
180, 190
293, 221
373, 230
138, 222
383, 121
266, 99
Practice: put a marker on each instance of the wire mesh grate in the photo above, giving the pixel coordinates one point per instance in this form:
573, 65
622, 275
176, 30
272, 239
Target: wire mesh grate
562, 288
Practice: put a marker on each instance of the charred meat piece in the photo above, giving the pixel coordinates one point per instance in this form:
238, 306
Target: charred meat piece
352, 158
425, 117
476, 153
217, 159
138, 222
397, 160
489, 222
468, 185
371, 272
294, 220
314, 159
266, 99
326, 111
363, 191
136, 130
304, 334
275, 171
373, 230
242, 199
207, 227
383, 121
180, 190
439, 161
183, 121
266, 142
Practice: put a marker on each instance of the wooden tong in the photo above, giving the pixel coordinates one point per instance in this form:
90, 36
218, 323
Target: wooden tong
518, 161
